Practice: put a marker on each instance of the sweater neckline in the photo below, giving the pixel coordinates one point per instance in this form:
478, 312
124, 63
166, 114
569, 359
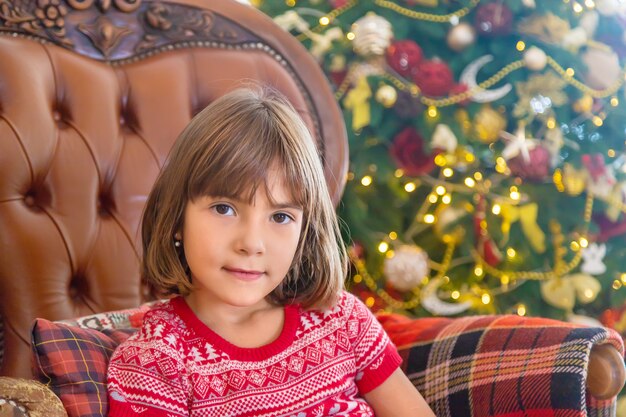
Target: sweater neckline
285, 338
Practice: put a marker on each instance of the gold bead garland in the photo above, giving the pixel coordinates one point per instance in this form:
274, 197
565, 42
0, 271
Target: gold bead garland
429, 17
582, 87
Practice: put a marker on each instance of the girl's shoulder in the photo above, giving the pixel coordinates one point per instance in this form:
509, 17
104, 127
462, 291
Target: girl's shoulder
162, 323
346, 306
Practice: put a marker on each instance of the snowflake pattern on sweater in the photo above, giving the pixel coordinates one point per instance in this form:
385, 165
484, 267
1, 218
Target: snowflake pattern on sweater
320, 365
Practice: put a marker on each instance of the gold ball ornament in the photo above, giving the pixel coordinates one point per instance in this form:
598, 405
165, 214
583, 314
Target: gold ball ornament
559, 293
535, 59
583, 104
587, 287
488, 123
461, 36
574, 181
387, 96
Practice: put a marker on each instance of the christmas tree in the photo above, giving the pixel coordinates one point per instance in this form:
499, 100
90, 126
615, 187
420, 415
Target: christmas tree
487, 138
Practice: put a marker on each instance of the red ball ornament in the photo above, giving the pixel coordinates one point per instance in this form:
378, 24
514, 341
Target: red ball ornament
404, 57
409, 154
434, 78
493, 19
537, 168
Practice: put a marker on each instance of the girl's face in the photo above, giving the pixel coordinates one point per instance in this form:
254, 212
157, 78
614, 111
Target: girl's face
238, 253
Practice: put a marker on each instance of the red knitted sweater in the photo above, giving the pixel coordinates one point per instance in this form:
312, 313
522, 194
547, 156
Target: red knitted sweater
320, 365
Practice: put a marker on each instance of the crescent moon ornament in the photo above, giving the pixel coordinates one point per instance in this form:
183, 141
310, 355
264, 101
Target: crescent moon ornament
481, 95
435, 305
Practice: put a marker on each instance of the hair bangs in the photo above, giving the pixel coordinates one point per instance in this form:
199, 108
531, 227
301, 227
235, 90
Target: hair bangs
237, 168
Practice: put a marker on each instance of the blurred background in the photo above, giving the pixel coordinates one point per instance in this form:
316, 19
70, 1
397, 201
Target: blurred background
487, 165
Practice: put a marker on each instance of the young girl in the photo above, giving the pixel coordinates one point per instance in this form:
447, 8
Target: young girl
241, 228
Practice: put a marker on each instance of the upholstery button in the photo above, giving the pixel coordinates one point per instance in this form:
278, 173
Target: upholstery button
105, 204
77, 287
38, 197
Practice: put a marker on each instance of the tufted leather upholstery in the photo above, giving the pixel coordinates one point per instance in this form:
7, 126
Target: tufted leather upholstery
92, 95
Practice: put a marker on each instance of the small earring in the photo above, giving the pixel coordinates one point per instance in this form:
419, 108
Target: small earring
177, 243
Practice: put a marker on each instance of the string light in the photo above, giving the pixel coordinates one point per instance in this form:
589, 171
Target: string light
369, 302
597, 120
448, 172
470, 182
496, 209
429, 219
500, 165
611, 153
574, 246
398, 173
486, 299
432, 198
520, 46
521, 310
350, 36
623, 278
432, 112
505, 280
583, 242
570, 72
357, 278
390, 254
617, 284
383, 247
590, 4
478, 271
577, 7
478, 176
393, 235
366, 181
510, 252
446, 199
290, 3
440, 160
515, 195
614, 101
551, 123
324, 21
440, 190
455, 295
410, 187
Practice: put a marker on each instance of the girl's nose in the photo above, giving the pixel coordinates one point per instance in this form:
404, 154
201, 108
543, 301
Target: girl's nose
251, 239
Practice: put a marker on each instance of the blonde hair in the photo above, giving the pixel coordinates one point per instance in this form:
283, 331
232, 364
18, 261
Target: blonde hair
227, 150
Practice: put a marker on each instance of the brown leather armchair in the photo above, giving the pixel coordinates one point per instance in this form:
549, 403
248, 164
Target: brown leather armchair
92, 95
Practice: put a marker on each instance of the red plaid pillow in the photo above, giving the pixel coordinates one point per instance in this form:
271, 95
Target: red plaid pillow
72, 361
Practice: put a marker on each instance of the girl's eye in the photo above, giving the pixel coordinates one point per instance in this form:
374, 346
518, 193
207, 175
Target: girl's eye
223, 209
282, 218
